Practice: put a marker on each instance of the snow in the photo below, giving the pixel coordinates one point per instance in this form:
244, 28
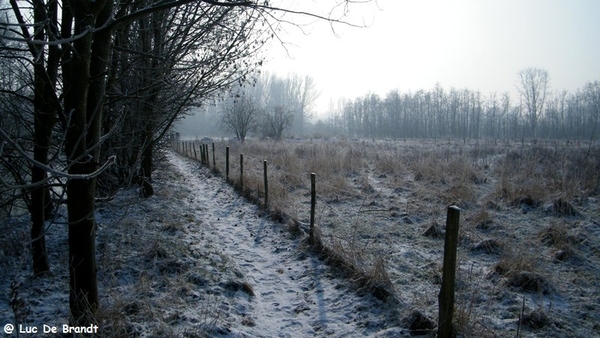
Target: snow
295, 294
194, 260
198, 260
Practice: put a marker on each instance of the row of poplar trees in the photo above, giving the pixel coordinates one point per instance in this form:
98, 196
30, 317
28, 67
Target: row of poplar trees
537, 112
89, 88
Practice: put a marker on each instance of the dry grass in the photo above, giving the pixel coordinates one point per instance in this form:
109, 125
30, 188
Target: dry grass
514, 260
375, 199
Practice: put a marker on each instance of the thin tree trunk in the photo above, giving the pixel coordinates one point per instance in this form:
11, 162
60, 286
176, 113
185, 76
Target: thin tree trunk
147, 190
45, 113
40, 201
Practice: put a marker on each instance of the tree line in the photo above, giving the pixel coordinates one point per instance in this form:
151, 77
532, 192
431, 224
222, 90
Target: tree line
454, 113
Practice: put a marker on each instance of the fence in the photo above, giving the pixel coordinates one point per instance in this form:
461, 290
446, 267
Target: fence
200, 152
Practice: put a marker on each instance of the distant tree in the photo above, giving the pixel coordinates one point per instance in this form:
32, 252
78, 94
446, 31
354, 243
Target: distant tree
491, 113
283, 103
533, 87
306, 94
294, 93
393, 114
275, 120
239, 115
504, 114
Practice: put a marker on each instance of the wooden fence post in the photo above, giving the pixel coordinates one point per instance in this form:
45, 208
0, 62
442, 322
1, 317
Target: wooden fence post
207, 157
195, 154
446, 296
242, 172
227, 164
313, 203
266, 185
206, 154
201, 154
214, 161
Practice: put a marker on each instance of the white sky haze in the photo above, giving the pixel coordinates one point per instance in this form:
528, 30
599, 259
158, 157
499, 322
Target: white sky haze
412, 45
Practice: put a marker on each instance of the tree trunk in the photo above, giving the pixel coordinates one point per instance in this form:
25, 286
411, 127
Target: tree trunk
84, 100
146, 166
40, 201
45, 113
83, 296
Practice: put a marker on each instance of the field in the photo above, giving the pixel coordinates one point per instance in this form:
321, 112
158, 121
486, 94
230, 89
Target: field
197, 260
529, 234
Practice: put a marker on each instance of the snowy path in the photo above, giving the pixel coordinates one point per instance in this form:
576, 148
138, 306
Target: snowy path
295, 294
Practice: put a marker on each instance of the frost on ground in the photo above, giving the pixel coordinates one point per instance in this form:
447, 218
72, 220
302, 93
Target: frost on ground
529, 248
194, 260
197, 260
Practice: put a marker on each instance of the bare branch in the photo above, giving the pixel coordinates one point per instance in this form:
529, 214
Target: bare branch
6, 138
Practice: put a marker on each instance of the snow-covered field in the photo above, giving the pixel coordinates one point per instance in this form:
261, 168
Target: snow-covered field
198, 260
195, 260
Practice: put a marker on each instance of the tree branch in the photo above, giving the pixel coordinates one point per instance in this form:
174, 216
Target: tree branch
56, 173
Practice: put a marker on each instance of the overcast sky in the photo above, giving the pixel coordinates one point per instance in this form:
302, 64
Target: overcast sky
411, 45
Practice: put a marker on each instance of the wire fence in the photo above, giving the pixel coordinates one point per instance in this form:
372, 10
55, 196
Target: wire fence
358, 219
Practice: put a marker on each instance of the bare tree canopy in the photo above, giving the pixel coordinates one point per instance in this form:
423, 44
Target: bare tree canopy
239, 115
279, 105
533, 86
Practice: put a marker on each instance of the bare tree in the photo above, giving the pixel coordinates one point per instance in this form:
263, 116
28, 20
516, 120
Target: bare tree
282, 97
533, 86
306, 94
239, 115
275, 120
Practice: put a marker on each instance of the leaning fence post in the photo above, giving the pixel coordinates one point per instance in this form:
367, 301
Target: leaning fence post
227, 164
313, 202
446, 296
242, 172
266, 185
